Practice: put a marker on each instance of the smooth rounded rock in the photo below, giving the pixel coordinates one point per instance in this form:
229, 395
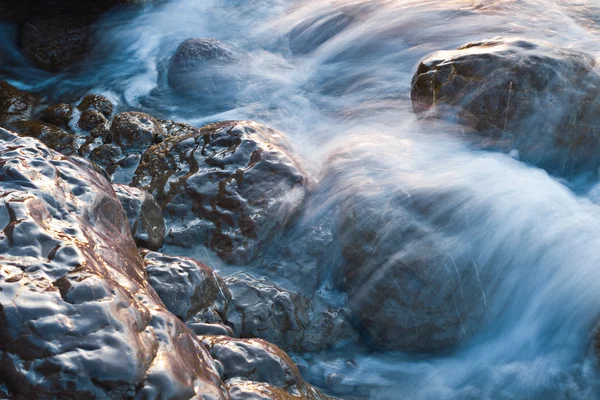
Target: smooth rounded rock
144, 215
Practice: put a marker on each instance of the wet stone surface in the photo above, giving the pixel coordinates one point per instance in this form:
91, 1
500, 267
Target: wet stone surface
231, 186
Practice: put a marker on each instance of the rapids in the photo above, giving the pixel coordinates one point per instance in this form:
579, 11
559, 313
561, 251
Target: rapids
337, 73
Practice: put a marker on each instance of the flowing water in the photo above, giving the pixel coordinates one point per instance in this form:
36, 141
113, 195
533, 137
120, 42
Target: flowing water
345, 83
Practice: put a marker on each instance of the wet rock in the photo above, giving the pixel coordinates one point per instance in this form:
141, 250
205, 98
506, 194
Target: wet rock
106, 154
411, 284
312, 33
92, 119
189, 289
52, 136
207, 68
253, 368
231, 186
516, 94
144, 215
210, 329
75, 307
55, 42
261, 309
59, 115
15, 105
95, 102
329, 328
135, 130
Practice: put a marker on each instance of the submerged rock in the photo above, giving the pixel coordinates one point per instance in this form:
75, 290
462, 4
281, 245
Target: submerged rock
231, 186
411, 285
54, 42
255, 369
144, 215
515, 94
75, 307
189, 289
207, 68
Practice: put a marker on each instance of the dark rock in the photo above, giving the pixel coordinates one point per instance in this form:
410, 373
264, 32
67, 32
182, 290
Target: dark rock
55, 42
232, 186
261, 309
144, 215
15, 105
253, 368
514, 94
96, 102
411, 284
52, 136
92, 119
106, 154
207, 68
189, 289
59, 115
329, 328
75, 306
135, 130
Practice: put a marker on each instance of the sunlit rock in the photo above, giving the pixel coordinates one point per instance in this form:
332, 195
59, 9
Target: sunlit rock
144, 215
518, 94
232, 186
77, 317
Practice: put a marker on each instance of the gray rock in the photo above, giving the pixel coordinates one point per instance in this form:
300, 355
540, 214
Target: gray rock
189, 289
144, 214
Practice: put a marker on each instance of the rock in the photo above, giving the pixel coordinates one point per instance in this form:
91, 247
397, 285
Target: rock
261, 309
207, 68
75, 307
59, 115
411, 284
106, 154
52, 136
55, 42
210, 329
232, 186
189, 289
92, 119
144, 214
253, 368
518, 94
135, 130
15, 105
312, 33
95, 102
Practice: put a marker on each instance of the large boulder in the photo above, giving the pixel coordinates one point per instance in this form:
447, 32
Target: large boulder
232, 186
209, 69
144, 215
516, 94
255, 369
77, 317
189, 289
412, 284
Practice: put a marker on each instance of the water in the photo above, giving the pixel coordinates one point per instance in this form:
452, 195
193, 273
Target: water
536, 236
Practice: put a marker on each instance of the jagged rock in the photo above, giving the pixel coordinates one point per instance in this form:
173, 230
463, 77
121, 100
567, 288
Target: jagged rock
96, 102
232, 186
135, 130
15, 105
75, 307
189, 289
518, 94
59, 115
207, 68
411, 284
144, 215
253, 368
